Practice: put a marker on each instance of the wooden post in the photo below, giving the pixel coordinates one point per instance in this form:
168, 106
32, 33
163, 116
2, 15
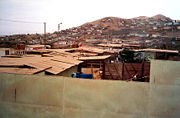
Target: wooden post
129, 74
142, 70
103, 74
123, 71
92, 70
45, 38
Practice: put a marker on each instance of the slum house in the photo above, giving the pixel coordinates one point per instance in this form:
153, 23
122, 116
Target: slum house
93, 51
158, 54
118, 47
36, 64
68, 59
53, 62
6, 51
2, 52
34, 47
64, 68
83, 52
63, 44
113, 71
94, 65
22, 49
90, 50
91, 55
134, 41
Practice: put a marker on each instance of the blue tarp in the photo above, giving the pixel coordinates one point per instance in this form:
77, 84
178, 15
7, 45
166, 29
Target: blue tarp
85, 76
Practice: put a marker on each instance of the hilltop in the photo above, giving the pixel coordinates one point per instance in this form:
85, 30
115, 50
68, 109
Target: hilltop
160, 16
116, 23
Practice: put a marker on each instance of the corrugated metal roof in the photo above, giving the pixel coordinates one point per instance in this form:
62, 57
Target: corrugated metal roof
94, 58
34, 46
118, 45
90, 49
20, 70
58, 67
158, 50
53, 65
70, 60
42, 65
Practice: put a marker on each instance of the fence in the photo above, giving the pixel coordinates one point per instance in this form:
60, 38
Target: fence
126, 71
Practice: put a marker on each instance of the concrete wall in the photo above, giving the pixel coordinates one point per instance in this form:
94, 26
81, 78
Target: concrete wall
68, 72
27, 96
35, 96
164, 101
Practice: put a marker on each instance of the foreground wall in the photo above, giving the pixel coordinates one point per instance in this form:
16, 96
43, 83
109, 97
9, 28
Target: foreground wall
24, 96
164, 100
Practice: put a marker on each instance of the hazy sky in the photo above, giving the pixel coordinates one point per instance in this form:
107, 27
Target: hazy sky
76, 12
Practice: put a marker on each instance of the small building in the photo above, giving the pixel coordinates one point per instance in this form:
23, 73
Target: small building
94, 63
63, 67
117, 47
6, 51
55, 65
157, 53
34, 47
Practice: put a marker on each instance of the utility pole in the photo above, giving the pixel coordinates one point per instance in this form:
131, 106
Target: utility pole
44, 32
59, 27
59, 30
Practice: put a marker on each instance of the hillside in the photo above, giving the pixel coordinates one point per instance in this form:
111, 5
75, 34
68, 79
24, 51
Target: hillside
103, 28
115, 23
117, 26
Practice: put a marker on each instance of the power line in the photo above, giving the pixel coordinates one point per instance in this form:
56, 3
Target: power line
19, 21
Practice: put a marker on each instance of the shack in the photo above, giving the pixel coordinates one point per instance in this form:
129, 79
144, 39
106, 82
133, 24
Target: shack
158, 53
36, 64
117, 47
34, 47
94, 65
